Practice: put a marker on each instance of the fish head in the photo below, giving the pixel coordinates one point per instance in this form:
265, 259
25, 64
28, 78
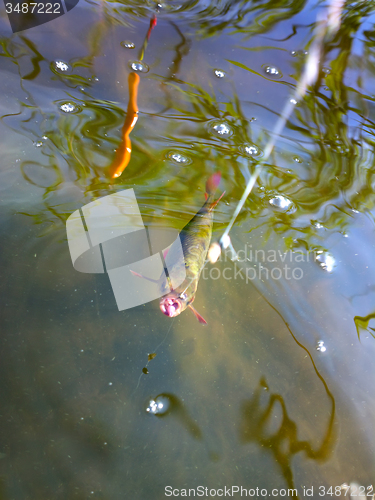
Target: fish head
173, 304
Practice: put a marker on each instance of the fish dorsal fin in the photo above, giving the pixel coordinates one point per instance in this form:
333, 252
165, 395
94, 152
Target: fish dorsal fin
198, 316
213, 182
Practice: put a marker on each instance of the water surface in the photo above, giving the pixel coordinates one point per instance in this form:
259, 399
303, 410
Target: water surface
254, 400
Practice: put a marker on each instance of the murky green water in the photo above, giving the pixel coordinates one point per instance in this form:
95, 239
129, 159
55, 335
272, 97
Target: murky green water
277, 391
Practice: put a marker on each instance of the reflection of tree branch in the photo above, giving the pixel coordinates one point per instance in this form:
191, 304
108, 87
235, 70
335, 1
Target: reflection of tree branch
182, 49
288, 37
34, 60
254, 429
362, 322
251, 18
255, 421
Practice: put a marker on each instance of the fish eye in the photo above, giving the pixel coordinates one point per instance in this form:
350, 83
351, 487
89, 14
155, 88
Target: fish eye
183, 296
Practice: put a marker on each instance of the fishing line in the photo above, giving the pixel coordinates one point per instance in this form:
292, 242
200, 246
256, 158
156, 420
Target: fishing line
149, 359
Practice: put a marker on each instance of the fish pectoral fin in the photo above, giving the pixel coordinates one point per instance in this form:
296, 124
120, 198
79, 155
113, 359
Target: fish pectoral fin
144, 277
198, 316
159, 282
216, 202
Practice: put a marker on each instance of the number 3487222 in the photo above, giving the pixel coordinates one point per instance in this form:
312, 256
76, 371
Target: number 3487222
33, 8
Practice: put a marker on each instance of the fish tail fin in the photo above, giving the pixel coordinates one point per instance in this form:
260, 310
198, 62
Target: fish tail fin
212, 183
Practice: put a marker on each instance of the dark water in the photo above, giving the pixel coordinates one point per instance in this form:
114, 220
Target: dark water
277, 391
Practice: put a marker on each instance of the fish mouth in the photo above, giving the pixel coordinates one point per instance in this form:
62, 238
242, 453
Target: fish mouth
170, 306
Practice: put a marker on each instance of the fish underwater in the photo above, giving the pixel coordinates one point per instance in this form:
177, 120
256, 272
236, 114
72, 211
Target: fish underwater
195, 240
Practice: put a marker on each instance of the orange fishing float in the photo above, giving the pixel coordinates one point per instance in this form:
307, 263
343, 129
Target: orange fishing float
124, 151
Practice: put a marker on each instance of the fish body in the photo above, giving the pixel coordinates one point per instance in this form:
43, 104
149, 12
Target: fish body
195, 240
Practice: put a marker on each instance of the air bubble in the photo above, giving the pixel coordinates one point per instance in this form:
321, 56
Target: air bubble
299, 53
168, 6
297, 159
320, 346
326, 261
127, 44
69, 107
178, 158
38, 144
59, 66
317, 224
340, 147
138, 66
221, 129
158, 406
282, 203
251, 150
272, 71
219, 73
